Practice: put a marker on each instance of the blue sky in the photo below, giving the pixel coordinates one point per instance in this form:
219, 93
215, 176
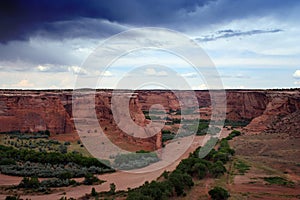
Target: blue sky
253, 43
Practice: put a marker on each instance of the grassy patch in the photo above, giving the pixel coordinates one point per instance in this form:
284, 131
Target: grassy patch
241, 167
276, 180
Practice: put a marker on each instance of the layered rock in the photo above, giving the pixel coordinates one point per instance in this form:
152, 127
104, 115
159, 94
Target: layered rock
32, 112
279, 105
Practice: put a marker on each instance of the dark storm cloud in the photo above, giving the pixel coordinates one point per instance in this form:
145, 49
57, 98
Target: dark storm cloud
234, 33
22, 19
19, 19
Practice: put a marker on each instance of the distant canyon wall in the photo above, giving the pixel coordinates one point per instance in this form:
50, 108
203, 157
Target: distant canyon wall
31, 111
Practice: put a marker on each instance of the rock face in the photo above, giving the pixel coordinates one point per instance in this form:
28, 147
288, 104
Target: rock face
279, 106
34, 111
31, 111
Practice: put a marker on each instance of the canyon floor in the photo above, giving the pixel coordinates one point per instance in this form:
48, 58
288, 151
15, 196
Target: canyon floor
267, 155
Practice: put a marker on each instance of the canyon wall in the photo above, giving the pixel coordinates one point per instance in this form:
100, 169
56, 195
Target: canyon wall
31, 111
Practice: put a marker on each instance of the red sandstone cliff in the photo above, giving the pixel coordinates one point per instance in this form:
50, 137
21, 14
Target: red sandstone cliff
34, 111
279, 105
30, 111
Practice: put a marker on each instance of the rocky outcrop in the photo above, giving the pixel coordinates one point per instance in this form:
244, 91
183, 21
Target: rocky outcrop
289, 124
279, 106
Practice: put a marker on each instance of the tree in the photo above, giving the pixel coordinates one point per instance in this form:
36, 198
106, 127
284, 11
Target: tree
112, 188
90, 179
219, 193
47, 132
93, 192
12, 198
32, 182
217, 169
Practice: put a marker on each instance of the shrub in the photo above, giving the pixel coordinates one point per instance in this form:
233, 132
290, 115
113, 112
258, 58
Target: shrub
233, 134
90, 179
12, 198
30, 183
134, 160
112, 187
279, 181
219, 193
217, 169
93, 192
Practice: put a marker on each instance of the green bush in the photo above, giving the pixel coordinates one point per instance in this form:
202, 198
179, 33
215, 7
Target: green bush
112, 189
217, 169
12, 198
233, 134
93, 192
90, 179
279, 181
219, 193
29, 183
135, 160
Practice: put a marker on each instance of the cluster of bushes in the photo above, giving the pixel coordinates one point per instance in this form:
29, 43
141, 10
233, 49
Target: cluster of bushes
167, 135
23, 162
175, 182
233, 134
24, 155
34, 183
18, 134
35, 142
235, 124
135, 160
46, 170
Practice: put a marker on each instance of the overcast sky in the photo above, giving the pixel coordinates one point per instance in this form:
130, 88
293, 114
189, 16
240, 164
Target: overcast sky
252, 43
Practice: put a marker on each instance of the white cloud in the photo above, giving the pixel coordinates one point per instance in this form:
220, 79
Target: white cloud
104, 74
77, 70
23, 84
297, 74
200, 87
153, 72
42, 68
190, 75
297, 82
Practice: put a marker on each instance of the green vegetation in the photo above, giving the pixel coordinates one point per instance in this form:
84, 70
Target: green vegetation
12, 197
241, 166
135, 160
167, 135
93, 192
90, 179
33, 183
279, 181
219, 193
233, 134
177, 182
24, 162
112, 189
40, 142
235, 124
